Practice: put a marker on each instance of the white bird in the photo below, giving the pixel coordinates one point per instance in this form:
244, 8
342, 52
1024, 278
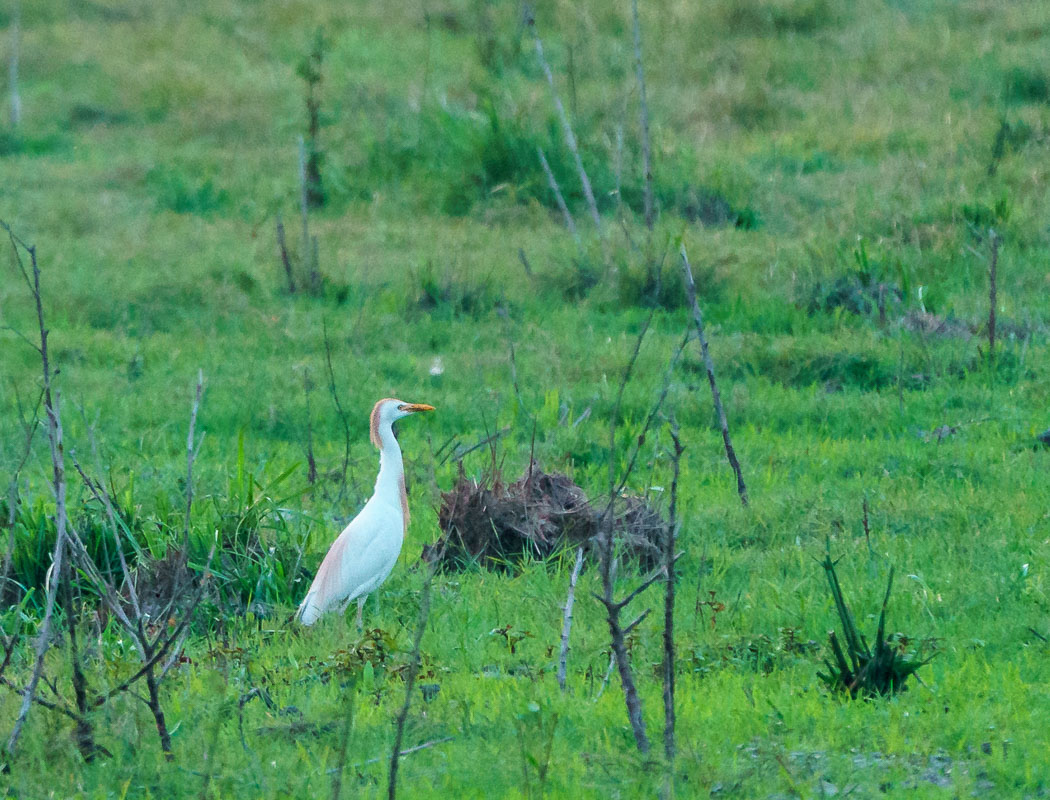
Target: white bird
363, 555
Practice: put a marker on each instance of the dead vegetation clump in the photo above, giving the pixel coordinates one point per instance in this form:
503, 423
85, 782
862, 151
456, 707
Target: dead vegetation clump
497, 524
161, 584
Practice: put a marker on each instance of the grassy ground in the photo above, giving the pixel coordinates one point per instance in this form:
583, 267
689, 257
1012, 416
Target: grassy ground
807, 152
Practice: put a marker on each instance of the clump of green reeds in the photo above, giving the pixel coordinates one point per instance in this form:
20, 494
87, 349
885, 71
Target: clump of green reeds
859, 670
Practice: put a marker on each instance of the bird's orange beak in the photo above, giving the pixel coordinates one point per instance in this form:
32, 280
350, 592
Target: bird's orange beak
413, 407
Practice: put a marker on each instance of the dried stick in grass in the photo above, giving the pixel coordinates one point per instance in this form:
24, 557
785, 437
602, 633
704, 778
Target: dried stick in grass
311, 462
191, 455
524, 261
58, 482
286, 261
647, 162
344, 746
669, 578
553, 183
993, 291
614, 607
309, 248
566, 127
151, 649
84, 729
434, 557
605, 544
343, 418
566, 623
698, 320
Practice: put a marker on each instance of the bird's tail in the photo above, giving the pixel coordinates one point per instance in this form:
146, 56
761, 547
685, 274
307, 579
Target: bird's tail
309, 611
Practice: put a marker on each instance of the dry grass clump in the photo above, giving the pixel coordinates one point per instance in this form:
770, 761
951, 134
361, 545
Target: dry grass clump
498, 524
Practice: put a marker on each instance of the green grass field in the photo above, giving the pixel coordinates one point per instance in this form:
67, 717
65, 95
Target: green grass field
813, 155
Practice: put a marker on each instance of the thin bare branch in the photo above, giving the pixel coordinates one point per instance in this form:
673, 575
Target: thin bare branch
654, 412
103, 498
552, 182
191, 455
698, 320
458, 455
524, 261
160, 648
647, 161
669, 589
60, 708
413, 668
652, 578
993, 291
606, 567
630, 626
54, 435
566, 623
282, 250
566, 127
340, 411
344, 745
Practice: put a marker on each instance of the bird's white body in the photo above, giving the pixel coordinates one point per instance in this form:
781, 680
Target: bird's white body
364, 554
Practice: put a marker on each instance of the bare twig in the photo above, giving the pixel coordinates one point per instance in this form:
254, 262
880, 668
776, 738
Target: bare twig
406, 752
993, 291
698, 320
84, 730
514, 375
605, 543
566, 127
458, 455
630, 626
654, 412
413, 668
344, 745
311, 462
612, 606
647, 162
309, 260
864, 522
343, 418
54, 435
652, 578
286, 261
553, 183
669, 563
524, 261
191, 455
566, 624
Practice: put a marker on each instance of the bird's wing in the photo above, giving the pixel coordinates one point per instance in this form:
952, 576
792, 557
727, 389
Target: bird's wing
357, 556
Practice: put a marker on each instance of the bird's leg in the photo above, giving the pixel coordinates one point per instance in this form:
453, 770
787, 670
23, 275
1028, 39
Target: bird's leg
361, 611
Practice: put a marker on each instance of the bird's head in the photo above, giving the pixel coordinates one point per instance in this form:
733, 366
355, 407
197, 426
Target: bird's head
389, 410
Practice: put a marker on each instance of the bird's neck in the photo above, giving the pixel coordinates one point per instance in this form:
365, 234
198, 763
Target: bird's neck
390, 483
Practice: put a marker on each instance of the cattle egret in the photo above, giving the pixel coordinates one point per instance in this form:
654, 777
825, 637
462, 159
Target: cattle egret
365, 552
